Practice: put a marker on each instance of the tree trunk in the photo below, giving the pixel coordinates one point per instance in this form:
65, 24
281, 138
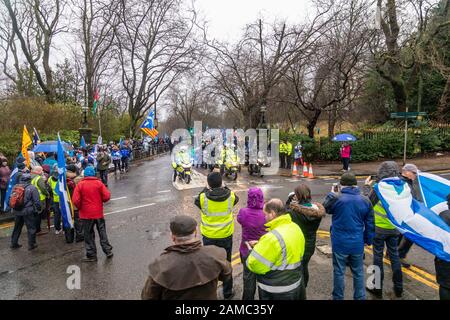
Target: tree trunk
332, 118
312, 122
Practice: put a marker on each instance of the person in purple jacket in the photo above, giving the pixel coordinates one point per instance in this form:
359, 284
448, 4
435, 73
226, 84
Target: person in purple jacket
252, 220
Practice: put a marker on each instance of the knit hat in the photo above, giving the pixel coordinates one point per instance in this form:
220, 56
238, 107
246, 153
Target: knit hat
89, 172
348, 179
214, 180
46, 168
411, 168
388, 169
182, 225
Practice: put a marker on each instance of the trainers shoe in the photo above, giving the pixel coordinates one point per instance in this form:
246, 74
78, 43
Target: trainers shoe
405, 263
230, 296
58, 231
34, 246
16, 246
398, 292
87, 259
376, 292
110, 255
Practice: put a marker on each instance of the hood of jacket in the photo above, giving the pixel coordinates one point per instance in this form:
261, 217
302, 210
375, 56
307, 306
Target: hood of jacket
315, 211
255, 199
188, 265
218, 194
25, 178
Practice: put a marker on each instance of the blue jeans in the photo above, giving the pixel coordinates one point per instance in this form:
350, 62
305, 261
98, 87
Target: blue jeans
356, 263
392, 250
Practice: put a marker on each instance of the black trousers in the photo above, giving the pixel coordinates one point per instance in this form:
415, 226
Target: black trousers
125, 164
282, 160
30, 221
76, 233
2, 199
345, 163
288, 161
89, 237
227, 244
116, 165
249, 278
444, 293
404, 246
104, 176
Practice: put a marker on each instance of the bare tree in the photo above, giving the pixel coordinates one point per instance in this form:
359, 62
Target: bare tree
154, 47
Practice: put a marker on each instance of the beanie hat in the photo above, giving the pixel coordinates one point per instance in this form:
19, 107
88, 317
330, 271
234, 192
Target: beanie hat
183, 225
46, 168
214, 180
89, 172
348, 179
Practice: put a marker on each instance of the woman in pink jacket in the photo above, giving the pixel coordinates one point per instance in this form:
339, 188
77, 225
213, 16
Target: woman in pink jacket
346, 151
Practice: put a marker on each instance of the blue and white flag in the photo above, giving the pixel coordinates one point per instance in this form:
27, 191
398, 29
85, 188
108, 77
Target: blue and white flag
11, 183
65, 202
413, 219
36, 139
82, 142
121, 142
434, 191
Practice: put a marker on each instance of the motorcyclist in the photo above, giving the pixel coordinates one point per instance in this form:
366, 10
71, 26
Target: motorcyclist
228, 156
181, 157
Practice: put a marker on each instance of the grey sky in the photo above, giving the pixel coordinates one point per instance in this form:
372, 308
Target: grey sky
226, 18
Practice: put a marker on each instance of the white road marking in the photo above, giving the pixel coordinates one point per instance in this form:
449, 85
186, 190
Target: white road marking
118, 198
164, 191
132, 208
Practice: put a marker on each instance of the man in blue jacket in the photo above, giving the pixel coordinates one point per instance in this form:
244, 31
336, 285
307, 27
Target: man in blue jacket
352, 226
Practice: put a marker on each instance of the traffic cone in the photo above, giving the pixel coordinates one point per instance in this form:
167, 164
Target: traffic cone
295, 169
310, 172
305, 170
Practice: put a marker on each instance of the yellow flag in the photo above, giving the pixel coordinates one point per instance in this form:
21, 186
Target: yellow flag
26, 142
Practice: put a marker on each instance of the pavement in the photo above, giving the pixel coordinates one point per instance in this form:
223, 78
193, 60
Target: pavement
143, 202
437, 164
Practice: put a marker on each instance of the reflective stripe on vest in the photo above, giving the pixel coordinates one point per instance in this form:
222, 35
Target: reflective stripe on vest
53, 183
284, 265
34, 182
217, 222
381, 219
279, 289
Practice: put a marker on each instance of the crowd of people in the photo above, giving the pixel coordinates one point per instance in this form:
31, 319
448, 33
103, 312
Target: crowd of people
279, 239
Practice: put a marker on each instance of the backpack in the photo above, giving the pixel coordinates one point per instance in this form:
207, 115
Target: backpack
17, 198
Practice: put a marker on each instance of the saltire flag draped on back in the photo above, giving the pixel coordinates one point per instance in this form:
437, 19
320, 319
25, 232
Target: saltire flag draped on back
26, 142
96, 98
148, 127
434, 191
65, 202
36, 139
413, 219
11, 183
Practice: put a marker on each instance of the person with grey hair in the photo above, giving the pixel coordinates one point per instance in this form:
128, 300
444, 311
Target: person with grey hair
385, 233
187, 270
276, 258
409, 175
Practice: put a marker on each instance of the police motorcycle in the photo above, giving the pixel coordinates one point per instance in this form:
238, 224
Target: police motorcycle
231, 167
256, 168
182, 167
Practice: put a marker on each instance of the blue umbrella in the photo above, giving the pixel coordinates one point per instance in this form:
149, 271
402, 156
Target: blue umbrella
51, 146
344, 137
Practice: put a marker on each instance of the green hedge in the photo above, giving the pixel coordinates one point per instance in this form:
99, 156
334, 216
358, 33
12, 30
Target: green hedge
386, 146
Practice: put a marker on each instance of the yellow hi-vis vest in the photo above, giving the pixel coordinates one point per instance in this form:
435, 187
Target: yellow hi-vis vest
381, 219
281, 249
289, 148
283, 147
34, 182
217, 217
52, 182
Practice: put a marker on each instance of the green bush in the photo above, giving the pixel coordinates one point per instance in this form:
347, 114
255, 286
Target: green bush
429, 141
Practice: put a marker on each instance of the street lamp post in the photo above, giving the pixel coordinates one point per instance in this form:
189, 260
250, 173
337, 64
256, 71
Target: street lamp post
155, 120
85, 131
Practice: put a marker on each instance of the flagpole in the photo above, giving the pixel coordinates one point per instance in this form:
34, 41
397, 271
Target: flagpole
99, 122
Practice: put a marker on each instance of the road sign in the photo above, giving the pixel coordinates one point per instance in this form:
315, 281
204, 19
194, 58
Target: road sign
407, 115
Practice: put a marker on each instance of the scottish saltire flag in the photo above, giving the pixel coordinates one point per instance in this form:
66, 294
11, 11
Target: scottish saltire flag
434, 191
148, 127
413, 219
82, 142
65, 202
11, 183
121, 142
36, 139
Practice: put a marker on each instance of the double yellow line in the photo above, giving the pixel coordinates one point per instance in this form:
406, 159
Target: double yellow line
413, 272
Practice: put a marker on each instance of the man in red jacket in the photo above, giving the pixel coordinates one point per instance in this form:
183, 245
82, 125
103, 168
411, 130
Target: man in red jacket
89, 196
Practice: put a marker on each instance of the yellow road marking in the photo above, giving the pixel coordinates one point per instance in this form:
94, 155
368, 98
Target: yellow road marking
7, 225
427, 279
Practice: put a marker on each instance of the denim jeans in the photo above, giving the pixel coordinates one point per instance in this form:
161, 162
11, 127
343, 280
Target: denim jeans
227, 244
356, 263
392, 250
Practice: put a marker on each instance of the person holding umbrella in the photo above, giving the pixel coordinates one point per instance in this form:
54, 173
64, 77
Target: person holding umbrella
346, 150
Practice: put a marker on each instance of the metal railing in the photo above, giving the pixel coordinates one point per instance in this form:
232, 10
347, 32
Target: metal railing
153, 150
